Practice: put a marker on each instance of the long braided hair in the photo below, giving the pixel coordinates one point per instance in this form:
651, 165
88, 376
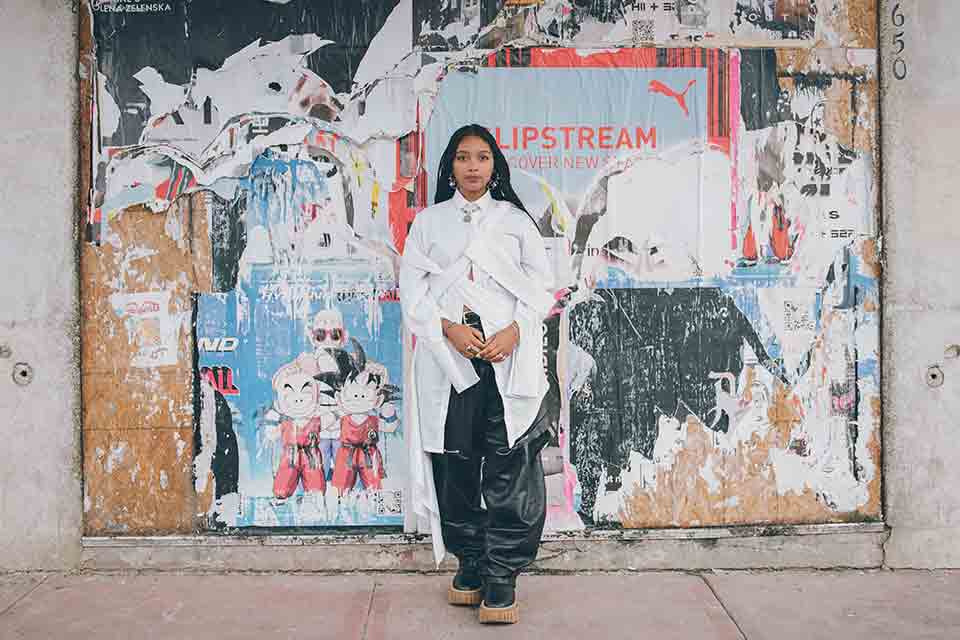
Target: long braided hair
501, 188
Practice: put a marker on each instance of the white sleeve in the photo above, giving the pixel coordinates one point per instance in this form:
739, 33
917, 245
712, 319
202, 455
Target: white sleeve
422, 314
535, 265
420, 310
533, 258
529, 354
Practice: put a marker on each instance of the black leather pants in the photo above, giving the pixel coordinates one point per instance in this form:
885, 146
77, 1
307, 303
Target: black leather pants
503, 538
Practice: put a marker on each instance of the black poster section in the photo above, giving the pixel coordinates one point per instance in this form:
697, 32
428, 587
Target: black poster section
201, 34
654, 350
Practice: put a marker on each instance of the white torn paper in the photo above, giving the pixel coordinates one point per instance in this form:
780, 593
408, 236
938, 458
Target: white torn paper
391, 44
153, 331
107, 108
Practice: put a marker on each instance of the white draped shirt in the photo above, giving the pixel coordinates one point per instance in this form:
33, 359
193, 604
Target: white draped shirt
497, 266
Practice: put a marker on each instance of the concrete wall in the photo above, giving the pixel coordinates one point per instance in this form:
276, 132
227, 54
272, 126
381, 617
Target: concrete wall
921, 102
40, 503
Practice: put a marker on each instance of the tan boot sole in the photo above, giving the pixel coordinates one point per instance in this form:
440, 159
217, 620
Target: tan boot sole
507, 615
460, 598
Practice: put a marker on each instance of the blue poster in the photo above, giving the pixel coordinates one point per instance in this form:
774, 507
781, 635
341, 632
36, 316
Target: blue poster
307, 368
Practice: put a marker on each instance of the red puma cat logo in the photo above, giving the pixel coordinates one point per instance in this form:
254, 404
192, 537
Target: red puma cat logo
658, 87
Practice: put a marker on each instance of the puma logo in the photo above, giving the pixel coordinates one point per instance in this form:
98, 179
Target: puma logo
658, 87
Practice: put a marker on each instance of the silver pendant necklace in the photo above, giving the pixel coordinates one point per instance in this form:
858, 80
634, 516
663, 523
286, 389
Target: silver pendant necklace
468, 212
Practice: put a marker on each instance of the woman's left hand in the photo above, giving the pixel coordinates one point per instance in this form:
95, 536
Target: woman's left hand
501, 344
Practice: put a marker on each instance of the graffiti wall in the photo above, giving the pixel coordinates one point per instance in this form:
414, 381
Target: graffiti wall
703, 176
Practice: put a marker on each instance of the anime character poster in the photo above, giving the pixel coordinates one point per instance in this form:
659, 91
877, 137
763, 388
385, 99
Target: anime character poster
306, 370
300, 362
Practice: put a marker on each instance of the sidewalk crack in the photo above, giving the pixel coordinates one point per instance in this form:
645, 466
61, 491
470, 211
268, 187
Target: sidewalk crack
724, 606
26, 595
366, 622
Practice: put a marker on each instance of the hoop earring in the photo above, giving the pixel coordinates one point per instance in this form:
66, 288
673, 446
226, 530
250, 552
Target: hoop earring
452, 182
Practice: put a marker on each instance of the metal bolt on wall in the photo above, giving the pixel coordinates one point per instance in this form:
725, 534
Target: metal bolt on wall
22, 374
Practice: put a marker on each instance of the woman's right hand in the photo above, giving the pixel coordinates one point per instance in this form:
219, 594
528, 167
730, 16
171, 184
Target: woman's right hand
466, 340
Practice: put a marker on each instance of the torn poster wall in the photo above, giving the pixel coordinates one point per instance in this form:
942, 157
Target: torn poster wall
226, 132
669, 194
710, 214
489, 24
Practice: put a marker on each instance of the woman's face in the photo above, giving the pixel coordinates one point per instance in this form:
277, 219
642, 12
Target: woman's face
472, 166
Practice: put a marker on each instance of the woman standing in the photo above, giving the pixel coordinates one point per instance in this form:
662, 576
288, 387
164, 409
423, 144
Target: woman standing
475, 286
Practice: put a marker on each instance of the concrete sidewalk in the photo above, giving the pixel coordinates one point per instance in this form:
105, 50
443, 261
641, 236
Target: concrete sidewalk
662, 606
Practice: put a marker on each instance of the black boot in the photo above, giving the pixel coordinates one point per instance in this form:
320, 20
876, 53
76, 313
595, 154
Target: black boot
467, 587
499, 604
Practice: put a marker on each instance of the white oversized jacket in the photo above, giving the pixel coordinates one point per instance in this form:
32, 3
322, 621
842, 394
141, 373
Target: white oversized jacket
512, 280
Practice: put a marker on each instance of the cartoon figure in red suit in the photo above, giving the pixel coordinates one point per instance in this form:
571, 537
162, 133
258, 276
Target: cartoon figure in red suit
296, 400
331, 363
329, 359
360, 399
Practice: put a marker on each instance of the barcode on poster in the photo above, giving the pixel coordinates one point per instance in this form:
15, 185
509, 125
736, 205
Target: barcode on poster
796, 318
388, 503
643, 30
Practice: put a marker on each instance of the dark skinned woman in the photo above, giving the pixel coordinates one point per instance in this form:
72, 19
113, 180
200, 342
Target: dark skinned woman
475, 286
